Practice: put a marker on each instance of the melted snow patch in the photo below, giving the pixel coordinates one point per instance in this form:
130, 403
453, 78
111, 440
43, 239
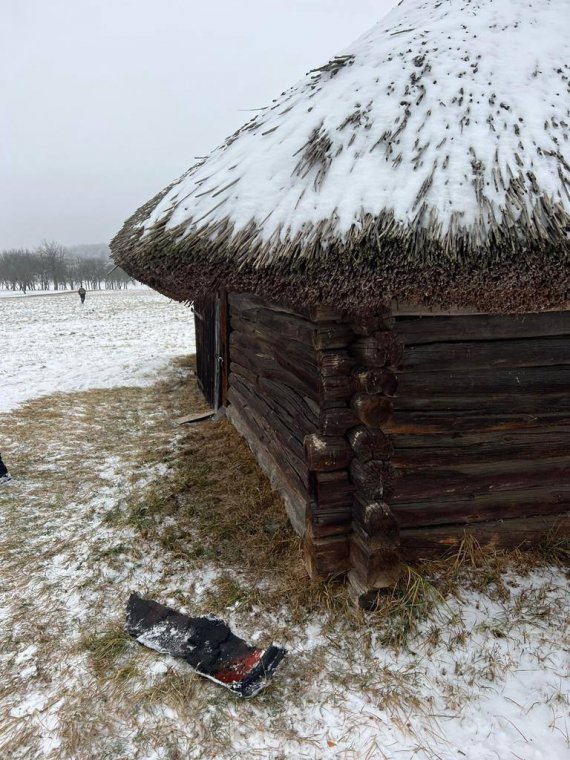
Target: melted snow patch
33, 703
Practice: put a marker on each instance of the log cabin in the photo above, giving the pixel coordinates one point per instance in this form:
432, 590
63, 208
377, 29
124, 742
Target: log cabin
379, 267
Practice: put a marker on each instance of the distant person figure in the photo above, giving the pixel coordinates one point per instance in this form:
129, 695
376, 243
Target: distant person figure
82, 292
4, 474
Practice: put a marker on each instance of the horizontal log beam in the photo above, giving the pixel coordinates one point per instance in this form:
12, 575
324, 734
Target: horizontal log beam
331, 491
437, 424
282, 444
375, 517
326, 557
316, 313
282, 478
468, 382
425, 485
321, 336
477, 355
492, 450
383, 349
372, 478
334, 362
376, 566
510, 403
373, 411
367, 326
424, 543
327, 453
337, 421
430, 329
377, 381
369, 443
268, 368
547, 499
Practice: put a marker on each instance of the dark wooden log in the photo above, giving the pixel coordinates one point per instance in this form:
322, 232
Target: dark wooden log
377, 381
281, 442
334, 362
473, 439
313, 313
270, 339
224, 347
425, 485
281, 476
264, 365
327, 453
337, 421
511, 403
331, 491
369, 443
273, 412
279, 364
375, 561
415, 330
423, 543
244, 373
471, 452
383, 349
546, 499
411, 423
484, 382
371, 478
475, 355
295, 405
326, 557
287, 459
321, 336
263, 357
369, 325
323, 527
375, 517
337, 387
373, 411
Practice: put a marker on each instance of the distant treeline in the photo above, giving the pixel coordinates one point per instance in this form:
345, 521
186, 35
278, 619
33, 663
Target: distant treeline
53, 267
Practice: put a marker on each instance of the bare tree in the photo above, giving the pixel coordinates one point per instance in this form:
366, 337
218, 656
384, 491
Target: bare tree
18, 269
53, 255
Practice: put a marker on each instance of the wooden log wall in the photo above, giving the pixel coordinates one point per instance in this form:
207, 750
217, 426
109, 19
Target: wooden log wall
290, 384
375, 553
481, 430
390, 436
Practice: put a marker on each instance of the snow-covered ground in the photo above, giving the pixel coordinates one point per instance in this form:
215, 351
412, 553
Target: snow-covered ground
487, 677
52, 343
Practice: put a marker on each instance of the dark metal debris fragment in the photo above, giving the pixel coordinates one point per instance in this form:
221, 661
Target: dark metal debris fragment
206, 643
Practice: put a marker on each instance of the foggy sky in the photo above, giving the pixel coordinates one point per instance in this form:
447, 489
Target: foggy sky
104, 102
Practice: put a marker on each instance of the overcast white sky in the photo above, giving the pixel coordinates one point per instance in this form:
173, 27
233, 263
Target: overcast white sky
104, 102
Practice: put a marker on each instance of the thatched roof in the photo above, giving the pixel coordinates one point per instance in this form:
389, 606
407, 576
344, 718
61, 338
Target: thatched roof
428, 162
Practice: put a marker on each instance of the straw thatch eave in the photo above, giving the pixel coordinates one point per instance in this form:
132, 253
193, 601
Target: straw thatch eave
510, 275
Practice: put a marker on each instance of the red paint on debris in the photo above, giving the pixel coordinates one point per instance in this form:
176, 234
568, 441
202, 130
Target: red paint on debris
238, 670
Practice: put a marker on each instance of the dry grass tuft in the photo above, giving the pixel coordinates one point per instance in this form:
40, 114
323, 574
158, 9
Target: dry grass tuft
106, 648
409, 605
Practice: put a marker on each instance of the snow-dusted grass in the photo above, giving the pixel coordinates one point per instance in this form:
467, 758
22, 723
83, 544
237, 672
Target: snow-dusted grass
52, 343
110, 496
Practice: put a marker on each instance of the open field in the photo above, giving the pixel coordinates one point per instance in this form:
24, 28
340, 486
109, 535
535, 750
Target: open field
109, 496
50, 343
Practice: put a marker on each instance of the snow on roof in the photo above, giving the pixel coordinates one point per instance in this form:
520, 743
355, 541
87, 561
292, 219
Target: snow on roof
445, 127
